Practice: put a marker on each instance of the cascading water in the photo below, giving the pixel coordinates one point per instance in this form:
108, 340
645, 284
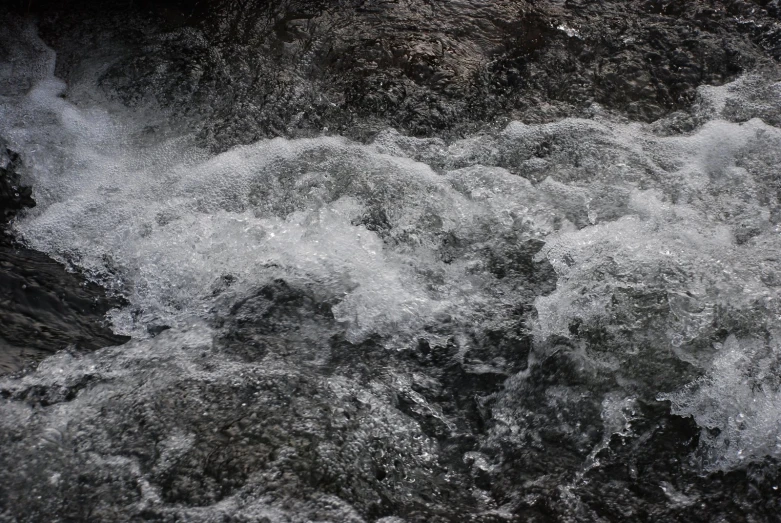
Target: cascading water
331, 331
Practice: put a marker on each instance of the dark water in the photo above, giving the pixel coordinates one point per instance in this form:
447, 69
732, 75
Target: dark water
572, 320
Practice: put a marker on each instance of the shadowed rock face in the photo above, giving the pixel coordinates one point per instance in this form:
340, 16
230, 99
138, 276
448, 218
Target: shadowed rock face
242, 70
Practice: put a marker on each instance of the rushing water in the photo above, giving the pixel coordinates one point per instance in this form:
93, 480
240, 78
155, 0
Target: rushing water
297, 308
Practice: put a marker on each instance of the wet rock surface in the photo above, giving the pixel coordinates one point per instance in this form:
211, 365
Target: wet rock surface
46, 309
266, 424
240, 71
43, 307
14, 196
288, 427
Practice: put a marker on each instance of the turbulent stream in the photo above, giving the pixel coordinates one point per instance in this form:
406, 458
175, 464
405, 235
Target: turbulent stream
570, 321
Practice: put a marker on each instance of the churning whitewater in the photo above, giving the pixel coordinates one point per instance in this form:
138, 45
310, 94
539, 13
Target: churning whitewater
270, 288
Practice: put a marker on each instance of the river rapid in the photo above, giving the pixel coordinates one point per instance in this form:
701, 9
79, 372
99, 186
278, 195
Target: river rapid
567, 321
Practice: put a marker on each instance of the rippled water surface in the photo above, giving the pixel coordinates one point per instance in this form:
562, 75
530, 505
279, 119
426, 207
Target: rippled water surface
496, 329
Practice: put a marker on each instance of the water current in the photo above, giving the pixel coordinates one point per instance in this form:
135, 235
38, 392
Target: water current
644, 260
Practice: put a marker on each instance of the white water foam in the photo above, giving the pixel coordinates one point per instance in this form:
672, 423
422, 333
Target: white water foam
625, 212
738, 401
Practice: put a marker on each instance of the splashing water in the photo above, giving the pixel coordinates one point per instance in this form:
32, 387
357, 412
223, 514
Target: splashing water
666, 244
739, 401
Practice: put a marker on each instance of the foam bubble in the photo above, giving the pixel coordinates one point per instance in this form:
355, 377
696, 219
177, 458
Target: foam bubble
738, 403
664, 238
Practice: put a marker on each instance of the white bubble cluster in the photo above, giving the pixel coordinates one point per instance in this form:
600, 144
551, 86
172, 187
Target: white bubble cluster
627, 211
738, 403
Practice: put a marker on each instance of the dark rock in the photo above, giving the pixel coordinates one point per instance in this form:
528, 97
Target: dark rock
13, 195
644, 470
240, 71
43, 307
